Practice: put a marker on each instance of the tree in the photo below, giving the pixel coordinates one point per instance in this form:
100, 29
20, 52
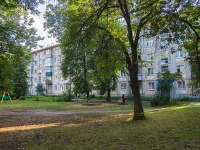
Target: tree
126, 21
165, 81
40, 89
16, 40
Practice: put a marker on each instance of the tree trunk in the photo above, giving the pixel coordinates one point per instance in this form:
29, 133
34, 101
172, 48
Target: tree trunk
138, 108
88, 96
108, 96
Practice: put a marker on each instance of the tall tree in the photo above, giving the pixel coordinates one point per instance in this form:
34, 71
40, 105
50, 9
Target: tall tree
17, 38
126, 21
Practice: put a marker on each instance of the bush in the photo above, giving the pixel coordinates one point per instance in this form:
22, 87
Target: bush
155, 102
65, 97
22, 98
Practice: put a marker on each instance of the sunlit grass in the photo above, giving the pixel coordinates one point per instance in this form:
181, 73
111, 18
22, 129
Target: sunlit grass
163, 129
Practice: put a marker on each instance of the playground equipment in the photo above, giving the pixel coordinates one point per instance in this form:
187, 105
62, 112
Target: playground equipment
6, 96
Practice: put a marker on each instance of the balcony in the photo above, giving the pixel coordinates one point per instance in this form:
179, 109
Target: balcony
49, 73
48, 82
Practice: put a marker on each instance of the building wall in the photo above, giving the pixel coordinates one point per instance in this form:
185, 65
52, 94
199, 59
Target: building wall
155, 58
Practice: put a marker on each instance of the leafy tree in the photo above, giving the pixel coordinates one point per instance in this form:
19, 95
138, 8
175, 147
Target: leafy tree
126, 21
165, 81
16, 40
40, 89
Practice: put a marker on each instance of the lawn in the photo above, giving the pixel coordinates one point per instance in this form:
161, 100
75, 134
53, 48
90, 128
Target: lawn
176, 127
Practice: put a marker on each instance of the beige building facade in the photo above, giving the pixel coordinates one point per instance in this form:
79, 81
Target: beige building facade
46, 62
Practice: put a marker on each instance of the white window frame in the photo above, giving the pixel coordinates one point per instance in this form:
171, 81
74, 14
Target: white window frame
122, 74
179, 54
150, 57
181, 85
162, 70
180, 68
149, 43
151, 85
150, 71
123, 86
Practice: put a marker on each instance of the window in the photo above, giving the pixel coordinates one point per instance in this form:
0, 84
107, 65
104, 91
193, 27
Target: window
123, 74
35, 71
180, 69
151, 86
55, 87
123, 86
39, 79
150, 71
179, 53
149, 57
181, 84
35, 79
150, 43
48, 62
139, 71
164, 60
163, 68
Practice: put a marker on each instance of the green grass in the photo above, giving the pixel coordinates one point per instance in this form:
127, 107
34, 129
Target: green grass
168, 129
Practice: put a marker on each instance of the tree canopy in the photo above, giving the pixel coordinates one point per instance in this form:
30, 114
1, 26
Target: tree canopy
17, 38
126, 22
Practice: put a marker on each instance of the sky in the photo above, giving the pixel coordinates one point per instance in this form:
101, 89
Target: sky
38, 24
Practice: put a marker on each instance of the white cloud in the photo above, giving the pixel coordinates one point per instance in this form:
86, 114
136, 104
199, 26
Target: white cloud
38, 24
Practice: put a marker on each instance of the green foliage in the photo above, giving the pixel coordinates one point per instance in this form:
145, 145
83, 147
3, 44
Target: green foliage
22, 98
165, 80
40, 89
17, 38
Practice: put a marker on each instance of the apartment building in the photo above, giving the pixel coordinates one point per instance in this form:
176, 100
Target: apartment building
45, 69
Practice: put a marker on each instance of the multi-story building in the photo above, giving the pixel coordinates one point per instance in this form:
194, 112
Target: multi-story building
45, 69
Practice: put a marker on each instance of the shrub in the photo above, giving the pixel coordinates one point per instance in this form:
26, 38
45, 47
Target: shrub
22, 98
155, 102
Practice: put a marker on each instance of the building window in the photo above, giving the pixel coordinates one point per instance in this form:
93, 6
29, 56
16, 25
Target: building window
39, 79
55, 87
122, 74
181, 84
179, 53
123, 86
164, 60
164, 68
151, 86
149, 57
139, 71
150, 43
35, 79
35, 71
150, 71
180, 69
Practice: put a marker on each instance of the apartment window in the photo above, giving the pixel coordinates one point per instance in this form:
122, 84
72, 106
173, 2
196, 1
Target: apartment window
35, 79
151, 86
164, 60
123, 86
39, 79
181, 84
150, 43
149, 57
150, 71
139, 71
55, 87
180, 69
61, 87
35, 71
179, 53
164, 68
123, 74
44, 52
55, 59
